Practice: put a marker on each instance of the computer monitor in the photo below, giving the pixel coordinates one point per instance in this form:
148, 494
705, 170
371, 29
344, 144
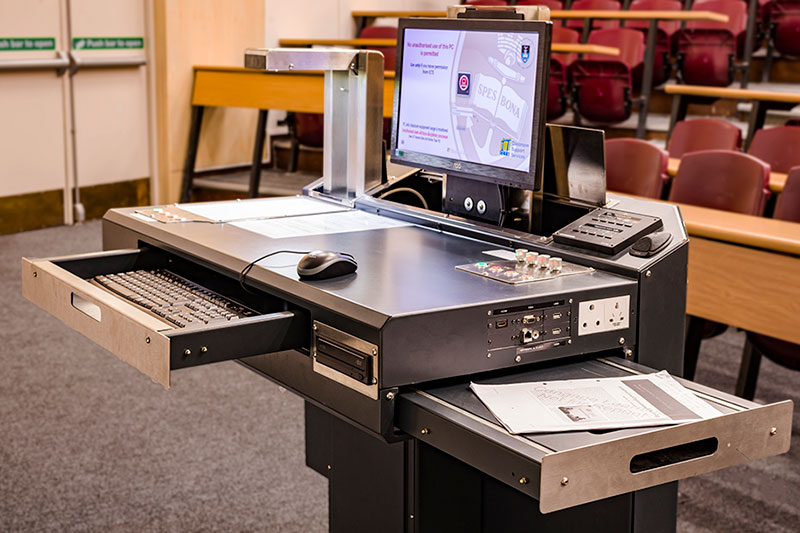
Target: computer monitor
470, 98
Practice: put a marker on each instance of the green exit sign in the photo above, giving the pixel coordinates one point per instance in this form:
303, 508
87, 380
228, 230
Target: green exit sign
107, 43
16, 44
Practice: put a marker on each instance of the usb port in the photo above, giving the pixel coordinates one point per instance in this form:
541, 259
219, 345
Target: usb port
556, 331
556, 316
501, 324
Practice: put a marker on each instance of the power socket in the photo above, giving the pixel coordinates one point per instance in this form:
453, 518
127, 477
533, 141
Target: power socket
608, 314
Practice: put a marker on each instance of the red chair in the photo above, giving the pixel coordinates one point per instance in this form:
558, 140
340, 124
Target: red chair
782, 19
779, 146
557, 79
552, 4
666, 28
635, 167
706, 51
703, 134
602, 86
719, 179
782, 352
486, 3
596, 5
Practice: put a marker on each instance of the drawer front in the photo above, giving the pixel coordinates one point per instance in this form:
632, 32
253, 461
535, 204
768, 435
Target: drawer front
145, 342
564, 470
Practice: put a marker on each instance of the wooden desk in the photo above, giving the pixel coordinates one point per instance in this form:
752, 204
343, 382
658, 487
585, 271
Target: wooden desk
777, 180
301, 92
744, 271
683, 95
391, 43
638, 15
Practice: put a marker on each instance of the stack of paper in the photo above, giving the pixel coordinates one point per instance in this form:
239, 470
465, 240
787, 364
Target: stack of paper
585, 404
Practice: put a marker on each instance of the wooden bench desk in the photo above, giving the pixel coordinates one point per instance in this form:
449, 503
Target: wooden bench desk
744, 271
777, 180
300, 92
683, 95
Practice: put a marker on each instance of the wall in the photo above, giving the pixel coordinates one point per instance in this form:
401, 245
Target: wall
201, 32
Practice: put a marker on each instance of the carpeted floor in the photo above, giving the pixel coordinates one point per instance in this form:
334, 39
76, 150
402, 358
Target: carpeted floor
89, 444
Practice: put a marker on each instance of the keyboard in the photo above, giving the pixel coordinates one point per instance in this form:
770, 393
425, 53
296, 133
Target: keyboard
173, 298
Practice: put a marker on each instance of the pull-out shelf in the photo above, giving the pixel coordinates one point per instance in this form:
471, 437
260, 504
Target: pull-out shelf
563, 470
153, 346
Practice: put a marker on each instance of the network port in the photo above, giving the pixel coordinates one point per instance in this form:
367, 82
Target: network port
529, 335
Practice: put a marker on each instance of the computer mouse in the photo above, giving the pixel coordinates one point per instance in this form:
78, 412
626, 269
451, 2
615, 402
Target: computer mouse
323, 264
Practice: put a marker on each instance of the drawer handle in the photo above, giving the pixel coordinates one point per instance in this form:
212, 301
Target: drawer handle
86, 307
673, 455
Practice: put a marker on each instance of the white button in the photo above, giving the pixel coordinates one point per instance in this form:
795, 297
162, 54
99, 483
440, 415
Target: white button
555, 264
520, 254
530, 258
542, 261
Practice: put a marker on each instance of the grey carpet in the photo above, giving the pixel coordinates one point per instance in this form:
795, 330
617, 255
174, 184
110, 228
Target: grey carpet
89, 444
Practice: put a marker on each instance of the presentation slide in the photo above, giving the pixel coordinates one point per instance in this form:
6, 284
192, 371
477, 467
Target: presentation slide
468, 95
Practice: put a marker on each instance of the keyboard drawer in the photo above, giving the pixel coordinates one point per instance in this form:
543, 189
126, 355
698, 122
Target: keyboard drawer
564, 470
60, 286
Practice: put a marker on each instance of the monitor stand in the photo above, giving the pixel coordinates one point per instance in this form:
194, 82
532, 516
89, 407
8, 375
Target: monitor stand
494, 204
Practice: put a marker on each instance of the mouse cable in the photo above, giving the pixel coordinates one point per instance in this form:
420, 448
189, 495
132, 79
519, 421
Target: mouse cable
246, 270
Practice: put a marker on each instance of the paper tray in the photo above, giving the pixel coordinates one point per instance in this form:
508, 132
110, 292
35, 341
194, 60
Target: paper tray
563, 470
154, 347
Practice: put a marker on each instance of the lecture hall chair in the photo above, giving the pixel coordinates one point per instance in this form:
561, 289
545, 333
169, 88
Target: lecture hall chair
557, 82
703, 134
662, 68
781, 21
706, 51
552, 4
779, 146
634, 166
784, 353
718, 179
602, 86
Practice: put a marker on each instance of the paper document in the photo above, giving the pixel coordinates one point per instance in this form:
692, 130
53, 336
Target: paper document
585, 404
255, 208
322, 224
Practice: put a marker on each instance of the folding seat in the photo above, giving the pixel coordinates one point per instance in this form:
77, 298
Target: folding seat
307, 128
779, 146
706, 51
634, 166
602, 86
784, 353
557, 78
781, 24
719, 179
595, 5
703, 134
666, 29
552, 4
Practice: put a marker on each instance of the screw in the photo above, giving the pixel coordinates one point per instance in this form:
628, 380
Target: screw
390, 396
147, 340
648, 274
488, 356
628, 353
203, 349
773, 431
622, 340
35, 274
425, 431
564, 481
570, 300
518, 359
374, 381
187, 352
314, 327
329, 467
374, 351
411, 516
489, 313
569, 341
523, 481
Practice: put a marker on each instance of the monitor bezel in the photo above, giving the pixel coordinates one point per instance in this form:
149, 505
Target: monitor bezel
530, 179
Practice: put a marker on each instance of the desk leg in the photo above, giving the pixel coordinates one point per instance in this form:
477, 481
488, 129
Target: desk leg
679, 106
647, 78
258, 153
191, 152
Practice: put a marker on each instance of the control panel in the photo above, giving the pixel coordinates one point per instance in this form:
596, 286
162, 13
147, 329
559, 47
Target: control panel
530, 328
607, 230
528, 267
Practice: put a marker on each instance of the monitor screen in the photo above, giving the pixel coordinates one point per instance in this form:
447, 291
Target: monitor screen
470, 98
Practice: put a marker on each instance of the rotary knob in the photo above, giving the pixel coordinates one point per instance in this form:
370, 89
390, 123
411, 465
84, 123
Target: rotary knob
530, 258
542, 261
520, 254
555, 264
